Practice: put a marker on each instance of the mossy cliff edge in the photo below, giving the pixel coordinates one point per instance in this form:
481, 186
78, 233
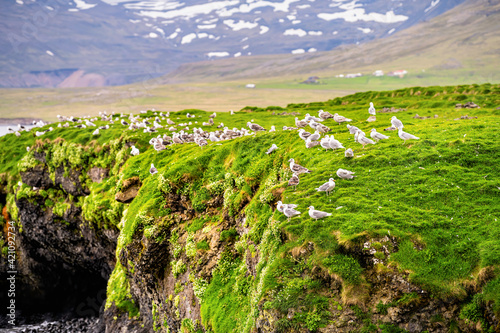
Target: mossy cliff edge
412, 243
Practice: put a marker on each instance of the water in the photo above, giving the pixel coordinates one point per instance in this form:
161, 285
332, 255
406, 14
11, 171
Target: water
3, 128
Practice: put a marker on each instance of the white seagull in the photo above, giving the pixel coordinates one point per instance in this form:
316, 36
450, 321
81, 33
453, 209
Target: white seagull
396, 122
134, 151
270, 150
327, 187
153, 170
406, 136
317, 214
340, 119
345, 174
290, 212
377, 136
349, 153
371, 109
296, 168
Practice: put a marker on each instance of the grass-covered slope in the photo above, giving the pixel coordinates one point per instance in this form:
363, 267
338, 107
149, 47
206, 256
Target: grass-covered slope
425, 211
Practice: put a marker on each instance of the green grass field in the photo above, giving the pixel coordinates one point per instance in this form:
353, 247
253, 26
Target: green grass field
435, 201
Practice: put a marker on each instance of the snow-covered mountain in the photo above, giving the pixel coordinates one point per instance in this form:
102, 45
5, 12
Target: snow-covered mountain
108, 42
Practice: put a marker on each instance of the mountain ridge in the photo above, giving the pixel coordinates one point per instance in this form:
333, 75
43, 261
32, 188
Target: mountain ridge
132, 41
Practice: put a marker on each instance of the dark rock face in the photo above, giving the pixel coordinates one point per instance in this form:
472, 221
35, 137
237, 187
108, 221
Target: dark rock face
70, 182
37, 177
63, 263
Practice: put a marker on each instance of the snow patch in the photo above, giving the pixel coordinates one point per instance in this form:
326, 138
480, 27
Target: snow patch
365, 30
303, 6
134, 21
207, 26
20, 2
433, 4
236, 55
173, 35
312, 49
353, 14
49, 53
217, 54
189, 11
188, 38
263, 29
80, 4
296, 21
391, 31
240, 25
298, 51
315, 33
153, 35
295, 32
160, 30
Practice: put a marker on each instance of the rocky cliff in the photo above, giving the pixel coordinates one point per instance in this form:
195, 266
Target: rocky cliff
200, 246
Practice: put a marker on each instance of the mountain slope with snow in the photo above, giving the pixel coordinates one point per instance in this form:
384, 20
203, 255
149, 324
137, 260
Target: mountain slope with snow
111, 42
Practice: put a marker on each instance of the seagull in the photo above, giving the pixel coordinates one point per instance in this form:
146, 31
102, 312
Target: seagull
320, 127
325, 142
310, 144
327, 187
294, 181
340, 119
317, 214
296, 168
170, 122
290, 212
349, 153
96, 132
362, 139
270, 150
124, 123
308, 117
88, 123
303, 134
213, 115
371, 109
134, 151
352, 129
335, 144
255, 127
300, 123
153, 170
315, 136
377, 136
273, 129
324, 115
406, 136
345, 174
396, 122
281, 206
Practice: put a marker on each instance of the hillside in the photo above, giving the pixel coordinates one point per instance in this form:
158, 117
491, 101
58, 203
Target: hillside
461, 43
411, 245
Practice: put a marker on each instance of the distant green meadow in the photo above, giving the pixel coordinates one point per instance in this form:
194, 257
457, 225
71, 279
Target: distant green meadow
437, 198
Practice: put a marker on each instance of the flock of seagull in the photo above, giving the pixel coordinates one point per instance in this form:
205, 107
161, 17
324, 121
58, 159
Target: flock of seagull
329, 142
180, 135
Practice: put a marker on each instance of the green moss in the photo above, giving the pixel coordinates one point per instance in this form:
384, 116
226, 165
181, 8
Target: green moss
60, 208
178, 267
203, 245
118, 292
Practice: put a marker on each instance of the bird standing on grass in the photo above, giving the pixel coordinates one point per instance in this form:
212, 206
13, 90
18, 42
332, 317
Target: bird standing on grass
290, 212
281, 206
349, 153
396, 122
270, 150
345, 174
327, 187
134, 151
153, 170
406, 136
340, 119
255, 127
371, 109
317, 214
362, 139
294, 181
296, 168
377, 136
